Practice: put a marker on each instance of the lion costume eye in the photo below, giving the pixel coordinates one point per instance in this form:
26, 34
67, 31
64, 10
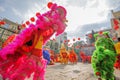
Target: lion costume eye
38, 29
29, 43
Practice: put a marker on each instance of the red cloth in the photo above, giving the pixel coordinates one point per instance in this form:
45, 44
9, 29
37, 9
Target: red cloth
37, 52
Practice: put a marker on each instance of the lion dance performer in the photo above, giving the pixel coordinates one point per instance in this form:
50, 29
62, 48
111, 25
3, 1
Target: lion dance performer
73, 57
46, 55
85, 57
117, 48
64, 55
23, 56
103, 57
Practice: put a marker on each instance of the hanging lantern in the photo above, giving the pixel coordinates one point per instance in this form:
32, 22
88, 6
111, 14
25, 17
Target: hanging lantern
65, 41
73, 39
90, 35
27, 22
23, 25
116, 27
19, 27
49, 4
37, 14
2, 23
115, 22
32, 19
68, 40
93, 44
78, 38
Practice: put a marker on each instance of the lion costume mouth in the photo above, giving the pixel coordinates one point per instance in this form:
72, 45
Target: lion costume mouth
29, 43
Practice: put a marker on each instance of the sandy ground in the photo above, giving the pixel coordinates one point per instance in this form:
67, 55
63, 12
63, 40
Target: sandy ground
78, 71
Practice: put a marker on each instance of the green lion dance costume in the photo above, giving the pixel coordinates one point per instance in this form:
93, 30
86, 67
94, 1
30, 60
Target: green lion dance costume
103, 58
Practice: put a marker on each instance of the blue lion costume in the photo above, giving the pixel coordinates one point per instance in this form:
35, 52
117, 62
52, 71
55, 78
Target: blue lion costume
46, 55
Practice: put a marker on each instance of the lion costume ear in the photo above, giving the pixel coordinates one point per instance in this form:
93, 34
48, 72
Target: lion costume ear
61, 10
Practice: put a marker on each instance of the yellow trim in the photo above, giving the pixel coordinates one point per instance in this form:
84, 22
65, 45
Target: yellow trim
117, 47
39, 42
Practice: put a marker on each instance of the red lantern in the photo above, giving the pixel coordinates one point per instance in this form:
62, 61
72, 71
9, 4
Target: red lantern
68, 40
23, 25
49, 4
77, 47
27, 22
93, 44
78, 38
65, 41
37, 14
32, 19
2, 23
73, 39
116, 27
90, 35
98, 73
115, 22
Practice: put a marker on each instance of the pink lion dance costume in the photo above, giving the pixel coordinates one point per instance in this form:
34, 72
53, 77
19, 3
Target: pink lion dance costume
23, 56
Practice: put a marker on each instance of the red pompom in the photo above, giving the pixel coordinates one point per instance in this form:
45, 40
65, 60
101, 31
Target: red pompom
37, 14
98, 73
27, 22
100, 32
78, 38
68, 40
32, 19
49, 4
23, 25
90, 35
93, 44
